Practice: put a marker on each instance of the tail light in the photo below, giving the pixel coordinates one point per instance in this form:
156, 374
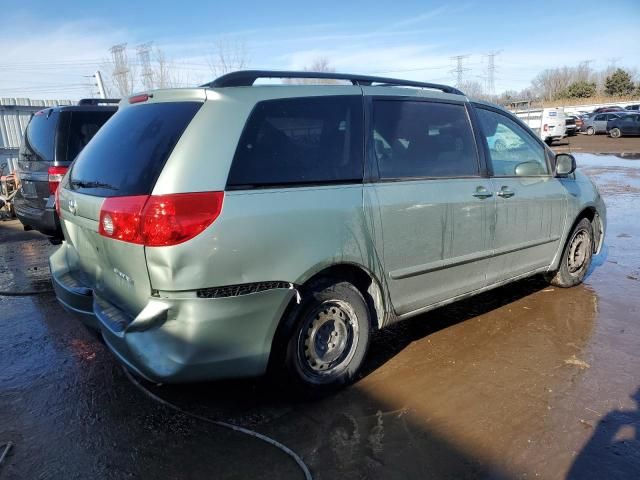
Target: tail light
545, 128
57, 201
159, 220
55, 175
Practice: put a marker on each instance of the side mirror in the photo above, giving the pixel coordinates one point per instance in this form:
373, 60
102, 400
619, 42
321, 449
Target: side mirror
565, 164
530, 169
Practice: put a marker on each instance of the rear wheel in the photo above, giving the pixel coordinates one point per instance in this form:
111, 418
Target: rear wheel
328, 337
615, 133
576, 257
591, 131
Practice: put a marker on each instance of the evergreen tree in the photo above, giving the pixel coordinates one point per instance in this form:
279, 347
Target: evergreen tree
618, 83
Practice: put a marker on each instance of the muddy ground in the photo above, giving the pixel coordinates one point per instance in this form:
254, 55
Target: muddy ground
527, 381
600, 143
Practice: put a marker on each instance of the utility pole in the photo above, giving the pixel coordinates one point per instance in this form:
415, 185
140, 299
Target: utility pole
459, 69
100, 84
491, 70
143, 51
121, 68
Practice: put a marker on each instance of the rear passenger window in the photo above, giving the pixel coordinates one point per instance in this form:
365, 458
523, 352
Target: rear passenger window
300, 141
423, 139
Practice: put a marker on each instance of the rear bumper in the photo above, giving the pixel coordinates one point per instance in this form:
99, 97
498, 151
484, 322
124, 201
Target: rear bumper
45, 220
180, 339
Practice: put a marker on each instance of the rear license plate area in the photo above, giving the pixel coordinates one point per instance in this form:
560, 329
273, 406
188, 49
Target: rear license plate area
29, 189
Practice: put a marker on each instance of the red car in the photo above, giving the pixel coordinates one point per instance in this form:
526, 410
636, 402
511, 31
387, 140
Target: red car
609, 109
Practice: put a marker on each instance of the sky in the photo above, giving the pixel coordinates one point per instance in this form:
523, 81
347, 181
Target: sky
50, 49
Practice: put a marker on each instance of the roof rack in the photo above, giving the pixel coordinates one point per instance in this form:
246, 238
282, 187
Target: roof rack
98, 101
246, 78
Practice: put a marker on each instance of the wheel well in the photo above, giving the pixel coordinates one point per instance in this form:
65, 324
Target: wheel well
590, 214
368, 286
363, 281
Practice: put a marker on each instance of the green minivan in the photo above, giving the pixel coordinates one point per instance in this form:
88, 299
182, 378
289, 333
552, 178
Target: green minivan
242, 227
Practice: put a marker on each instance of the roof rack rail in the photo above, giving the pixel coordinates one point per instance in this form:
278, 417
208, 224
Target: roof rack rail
97, 101
246, 78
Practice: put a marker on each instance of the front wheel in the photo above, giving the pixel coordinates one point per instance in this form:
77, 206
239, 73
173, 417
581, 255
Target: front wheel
591, 131
329, 337
576, 257
615, 133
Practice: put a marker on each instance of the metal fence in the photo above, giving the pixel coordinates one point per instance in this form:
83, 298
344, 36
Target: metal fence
15, 114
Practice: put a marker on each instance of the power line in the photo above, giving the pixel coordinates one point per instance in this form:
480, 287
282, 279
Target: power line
459, 69
121, 69
491, 70
143, 51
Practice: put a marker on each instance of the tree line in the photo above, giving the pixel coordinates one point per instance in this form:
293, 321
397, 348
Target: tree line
578, 82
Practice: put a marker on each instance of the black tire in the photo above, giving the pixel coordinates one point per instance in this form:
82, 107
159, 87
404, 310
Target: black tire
549, 141
327, 337
576, 257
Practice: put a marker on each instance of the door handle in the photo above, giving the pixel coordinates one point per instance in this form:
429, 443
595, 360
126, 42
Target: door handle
482, 192
505, 192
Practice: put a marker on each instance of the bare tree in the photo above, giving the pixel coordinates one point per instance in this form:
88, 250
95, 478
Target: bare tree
472, 89
550, 83
228, 56
165, 74
319, 65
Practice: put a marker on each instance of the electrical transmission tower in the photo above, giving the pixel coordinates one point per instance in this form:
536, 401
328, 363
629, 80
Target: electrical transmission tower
143, 52
491, 71
459, 69
121, 68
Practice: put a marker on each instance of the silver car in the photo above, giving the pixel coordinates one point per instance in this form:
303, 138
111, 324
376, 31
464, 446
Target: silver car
597, 123
235, 229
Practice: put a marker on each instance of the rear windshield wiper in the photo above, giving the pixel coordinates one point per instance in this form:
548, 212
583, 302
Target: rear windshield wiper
83, 184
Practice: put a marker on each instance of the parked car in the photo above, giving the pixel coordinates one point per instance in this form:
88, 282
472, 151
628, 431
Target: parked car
52, 139
598, 123
623, 126
235, 229
579, 122
614, 108
633, 108
571, 125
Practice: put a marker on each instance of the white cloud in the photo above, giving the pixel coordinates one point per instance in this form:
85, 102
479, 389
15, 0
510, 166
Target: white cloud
44, 62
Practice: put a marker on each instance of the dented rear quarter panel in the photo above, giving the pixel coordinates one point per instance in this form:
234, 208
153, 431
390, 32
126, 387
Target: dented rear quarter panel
284, 234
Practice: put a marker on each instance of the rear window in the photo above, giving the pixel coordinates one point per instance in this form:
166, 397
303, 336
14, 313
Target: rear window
128, 153
41, 135
82, 128
300, 141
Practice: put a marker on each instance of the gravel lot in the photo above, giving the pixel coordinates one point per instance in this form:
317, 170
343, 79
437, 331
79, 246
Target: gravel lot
527, 381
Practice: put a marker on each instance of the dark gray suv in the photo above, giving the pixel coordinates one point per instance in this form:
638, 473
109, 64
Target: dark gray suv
53, 138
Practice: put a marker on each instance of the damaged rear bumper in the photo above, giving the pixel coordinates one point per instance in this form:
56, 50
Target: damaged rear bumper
178, 337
